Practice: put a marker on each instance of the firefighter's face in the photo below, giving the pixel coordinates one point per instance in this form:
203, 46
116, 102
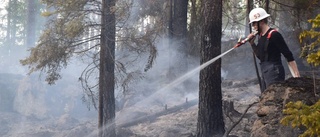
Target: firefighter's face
255, 25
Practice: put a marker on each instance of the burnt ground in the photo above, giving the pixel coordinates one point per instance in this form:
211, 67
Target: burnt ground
177, 118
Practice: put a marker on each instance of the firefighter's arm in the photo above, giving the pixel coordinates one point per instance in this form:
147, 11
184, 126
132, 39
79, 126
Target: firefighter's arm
253, 45
293, 69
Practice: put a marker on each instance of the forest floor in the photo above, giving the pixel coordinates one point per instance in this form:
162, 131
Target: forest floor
177, 122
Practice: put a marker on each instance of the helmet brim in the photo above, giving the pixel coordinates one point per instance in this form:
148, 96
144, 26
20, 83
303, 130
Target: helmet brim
265, 16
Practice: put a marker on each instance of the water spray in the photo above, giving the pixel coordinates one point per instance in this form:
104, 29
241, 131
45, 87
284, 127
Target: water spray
240, 42
197, 69
187, 76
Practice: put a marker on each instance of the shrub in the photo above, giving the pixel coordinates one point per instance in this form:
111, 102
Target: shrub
300, 115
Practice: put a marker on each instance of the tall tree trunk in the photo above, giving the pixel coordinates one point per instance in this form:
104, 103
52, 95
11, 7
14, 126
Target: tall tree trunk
194, 29
170, 41
179, 36
106, 117
210, 115
249, 8
31, 23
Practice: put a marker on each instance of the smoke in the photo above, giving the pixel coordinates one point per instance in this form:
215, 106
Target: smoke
29, 99
156, 89
147, 92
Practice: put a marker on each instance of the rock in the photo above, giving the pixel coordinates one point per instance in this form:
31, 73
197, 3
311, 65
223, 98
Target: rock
265, 110
272, 102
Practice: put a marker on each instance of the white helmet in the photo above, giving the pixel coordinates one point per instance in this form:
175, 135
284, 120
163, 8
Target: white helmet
257, 14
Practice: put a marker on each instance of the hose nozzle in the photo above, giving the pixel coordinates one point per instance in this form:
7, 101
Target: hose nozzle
241, 42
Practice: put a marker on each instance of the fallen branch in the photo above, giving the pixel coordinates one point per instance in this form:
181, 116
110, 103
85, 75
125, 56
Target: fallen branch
152, 117
238, 121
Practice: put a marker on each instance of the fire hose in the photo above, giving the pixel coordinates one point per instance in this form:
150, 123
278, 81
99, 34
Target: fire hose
255, 62
241, 42
254, 58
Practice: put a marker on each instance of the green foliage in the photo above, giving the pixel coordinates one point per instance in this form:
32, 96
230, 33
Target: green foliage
310, 51
64, 33
74, 27
48, 56
73, 30
299, 114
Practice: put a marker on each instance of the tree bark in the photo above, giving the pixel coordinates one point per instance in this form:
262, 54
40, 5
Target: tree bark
194, 29
179, 37
210, 115
249, 8
106, 116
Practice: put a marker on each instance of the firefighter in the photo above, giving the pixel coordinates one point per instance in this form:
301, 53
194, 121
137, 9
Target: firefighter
269, 48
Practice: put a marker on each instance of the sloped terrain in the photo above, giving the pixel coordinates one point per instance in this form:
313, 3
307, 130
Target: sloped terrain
274, 99
175, 118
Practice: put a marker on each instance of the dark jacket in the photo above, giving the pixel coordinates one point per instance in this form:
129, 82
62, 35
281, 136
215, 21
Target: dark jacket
276, 47
270, 59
